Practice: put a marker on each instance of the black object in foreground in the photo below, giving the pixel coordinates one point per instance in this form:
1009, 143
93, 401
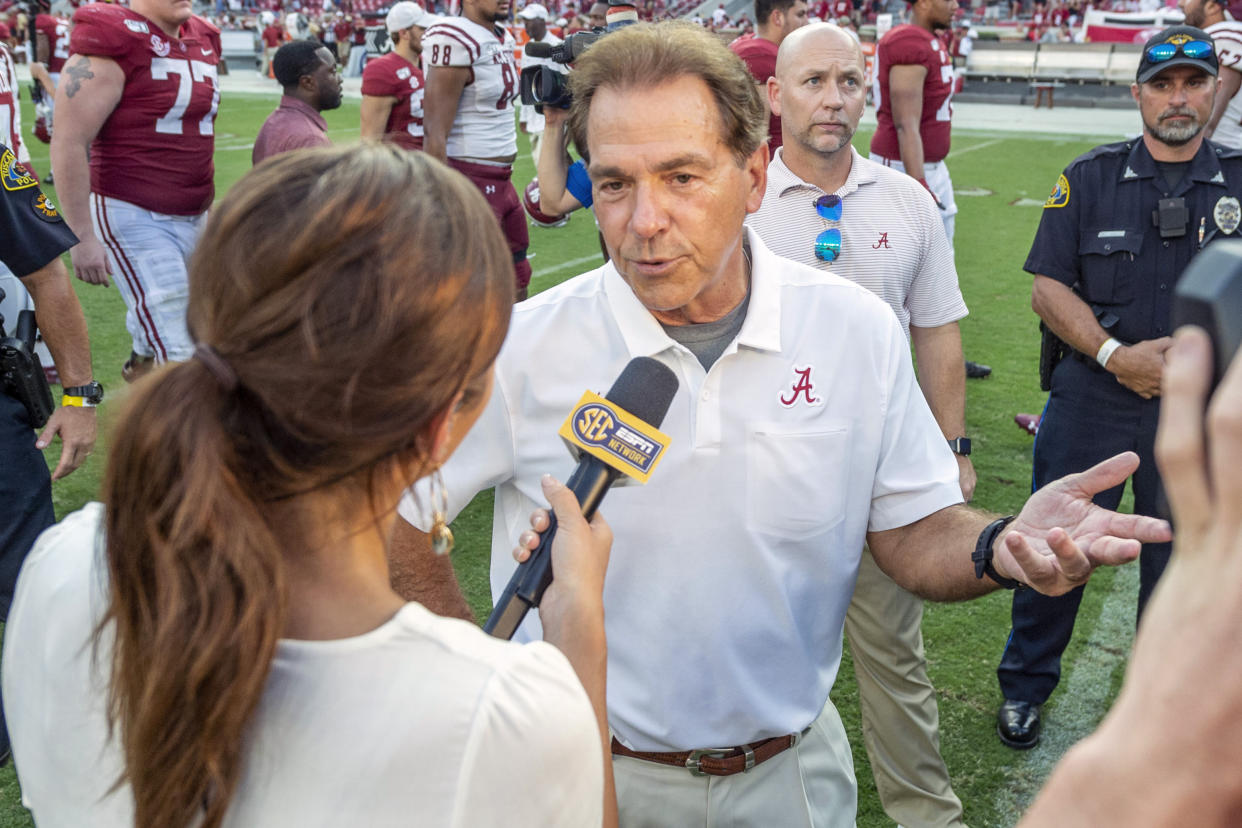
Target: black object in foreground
645, 390
1209, 295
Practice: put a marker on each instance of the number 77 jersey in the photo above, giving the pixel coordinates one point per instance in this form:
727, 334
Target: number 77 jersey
483, 126
155, 149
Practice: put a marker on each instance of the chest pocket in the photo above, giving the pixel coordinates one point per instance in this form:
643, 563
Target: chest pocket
1109, 265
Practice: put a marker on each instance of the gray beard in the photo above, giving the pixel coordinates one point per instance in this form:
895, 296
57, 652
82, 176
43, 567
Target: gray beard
1175, 136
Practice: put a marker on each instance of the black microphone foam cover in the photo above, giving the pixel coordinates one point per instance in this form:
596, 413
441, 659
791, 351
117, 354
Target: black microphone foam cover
645, 389
537, 49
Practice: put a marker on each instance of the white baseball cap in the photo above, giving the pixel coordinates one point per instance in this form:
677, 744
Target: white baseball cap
533, 11
405, 14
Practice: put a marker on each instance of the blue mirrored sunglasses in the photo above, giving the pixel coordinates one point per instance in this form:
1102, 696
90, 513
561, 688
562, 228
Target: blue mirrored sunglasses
1193, 49
828, 243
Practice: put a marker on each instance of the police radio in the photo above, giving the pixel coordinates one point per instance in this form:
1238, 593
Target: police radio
611, 436
21, 371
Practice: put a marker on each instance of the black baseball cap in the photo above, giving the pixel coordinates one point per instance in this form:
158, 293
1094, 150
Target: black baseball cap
1177, 36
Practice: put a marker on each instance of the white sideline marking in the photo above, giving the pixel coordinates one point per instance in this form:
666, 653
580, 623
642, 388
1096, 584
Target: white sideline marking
1080, 700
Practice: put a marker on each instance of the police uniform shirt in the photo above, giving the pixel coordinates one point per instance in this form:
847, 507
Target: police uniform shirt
32, 233
1098, 235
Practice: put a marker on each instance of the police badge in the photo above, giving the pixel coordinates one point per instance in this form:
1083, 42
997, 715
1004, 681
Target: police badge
1228, 214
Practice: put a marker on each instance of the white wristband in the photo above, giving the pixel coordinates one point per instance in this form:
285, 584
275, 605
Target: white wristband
1106, 351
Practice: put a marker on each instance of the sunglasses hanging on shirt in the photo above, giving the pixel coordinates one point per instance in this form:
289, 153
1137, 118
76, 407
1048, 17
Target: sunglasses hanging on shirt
828, 243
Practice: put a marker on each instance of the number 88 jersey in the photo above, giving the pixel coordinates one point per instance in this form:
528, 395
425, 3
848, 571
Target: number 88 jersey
155, 149
484, 125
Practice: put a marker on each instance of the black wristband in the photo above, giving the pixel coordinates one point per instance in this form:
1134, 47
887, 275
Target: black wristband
982, 556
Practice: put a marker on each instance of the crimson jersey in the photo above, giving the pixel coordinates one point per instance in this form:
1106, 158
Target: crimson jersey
905, 45
394, 76
56, 30
155, 149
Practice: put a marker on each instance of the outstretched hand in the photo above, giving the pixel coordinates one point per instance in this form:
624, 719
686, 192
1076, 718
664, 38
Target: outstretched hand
1061, 536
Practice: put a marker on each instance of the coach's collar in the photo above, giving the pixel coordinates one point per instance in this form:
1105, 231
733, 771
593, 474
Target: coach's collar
644, 336
783, 180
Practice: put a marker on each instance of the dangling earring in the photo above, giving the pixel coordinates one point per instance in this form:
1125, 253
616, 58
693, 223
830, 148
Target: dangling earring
441, 534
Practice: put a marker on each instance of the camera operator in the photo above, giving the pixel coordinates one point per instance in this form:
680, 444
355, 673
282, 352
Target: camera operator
535, 18
32, 238
564, 185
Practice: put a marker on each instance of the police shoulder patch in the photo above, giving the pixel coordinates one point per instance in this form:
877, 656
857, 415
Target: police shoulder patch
13, 175
45, 209
1060, 193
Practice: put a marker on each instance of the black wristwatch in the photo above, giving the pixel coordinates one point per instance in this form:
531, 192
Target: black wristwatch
960, 445
83, 396
982, 556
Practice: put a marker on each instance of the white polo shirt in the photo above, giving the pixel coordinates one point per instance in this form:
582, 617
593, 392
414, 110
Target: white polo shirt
892, 238
732, 569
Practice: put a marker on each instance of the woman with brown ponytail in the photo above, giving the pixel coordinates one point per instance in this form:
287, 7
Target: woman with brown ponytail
250, 664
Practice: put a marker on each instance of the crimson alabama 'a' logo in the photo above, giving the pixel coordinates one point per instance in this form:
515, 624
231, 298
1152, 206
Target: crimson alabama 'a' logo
802, 389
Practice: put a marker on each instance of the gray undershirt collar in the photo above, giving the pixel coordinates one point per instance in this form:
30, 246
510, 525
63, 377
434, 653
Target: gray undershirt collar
708, 340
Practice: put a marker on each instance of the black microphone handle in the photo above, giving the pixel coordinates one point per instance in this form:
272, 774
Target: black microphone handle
589, 482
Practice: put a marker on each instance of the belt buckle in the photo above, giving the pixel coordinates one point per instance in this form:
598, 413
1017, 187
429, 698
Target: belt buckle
693, 763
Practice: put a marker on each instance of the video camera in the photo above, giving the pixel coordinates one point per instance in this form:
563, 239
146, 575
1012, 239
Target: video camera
542, 86
21, 372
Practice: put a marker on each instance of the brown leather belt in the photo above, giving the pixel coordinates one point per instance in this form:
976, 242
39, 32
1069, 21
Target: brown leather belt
716, 761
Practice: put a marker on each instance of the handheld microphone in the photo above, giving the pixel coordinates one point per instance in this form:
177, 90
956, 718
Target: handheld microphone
612, 436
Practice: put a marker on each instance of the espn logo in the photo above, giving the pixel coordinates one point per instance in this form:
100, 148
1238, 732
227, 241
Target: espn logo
618, 438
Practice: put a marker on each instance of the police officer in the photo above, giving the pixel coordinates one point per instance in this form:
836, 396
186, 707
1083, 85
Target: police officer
32, 238
1116, 233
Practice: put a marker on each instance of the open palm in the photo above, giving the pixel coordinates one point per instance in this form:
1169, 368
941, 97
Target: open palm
1060, 536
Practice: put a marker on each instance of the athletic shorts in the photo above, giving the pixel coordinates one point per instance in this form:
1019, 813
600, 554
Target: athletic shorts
497, 187
147, 254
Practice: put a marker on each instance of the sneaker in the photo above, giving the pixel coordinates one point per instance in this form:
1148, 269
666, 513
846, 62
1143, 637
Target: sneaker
977, 370
1028, 422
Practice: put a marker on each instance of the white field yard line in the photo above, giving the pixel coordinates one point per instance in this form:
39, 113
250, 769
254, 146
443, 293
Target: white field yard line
238, 147
973, 147
548, 271
1080, 700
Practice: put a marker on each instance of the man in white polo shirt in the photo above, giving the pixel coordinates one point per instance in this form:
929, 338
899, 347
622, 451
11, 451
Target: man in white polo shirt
792, 442
883, 231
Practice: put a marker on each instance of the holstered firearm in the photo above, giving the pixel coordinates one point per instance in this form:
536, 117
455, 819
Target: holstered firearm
21, 371
1051, 351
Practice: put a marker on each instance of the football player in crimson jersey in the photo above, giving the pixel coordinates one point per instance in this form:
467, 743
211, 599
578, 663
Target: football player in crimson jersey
51, 51
393, 85
913, 92
472, 81
140, 94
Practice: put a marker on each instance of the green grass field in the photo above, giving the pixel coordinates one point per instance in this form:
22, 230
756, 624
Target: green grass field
963, 641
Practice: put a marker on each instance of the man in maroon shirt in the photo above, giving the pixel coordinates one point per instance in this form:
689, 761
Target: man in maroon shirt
308, 73
344, 31
775, 19
273, 35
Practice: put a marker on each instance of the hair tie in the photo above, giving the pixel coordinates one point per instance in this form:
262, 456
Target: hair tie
221, 370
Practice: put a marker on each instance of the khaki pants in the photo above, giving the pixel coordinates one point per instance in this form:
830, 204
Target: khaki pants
810, 785
900, 721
